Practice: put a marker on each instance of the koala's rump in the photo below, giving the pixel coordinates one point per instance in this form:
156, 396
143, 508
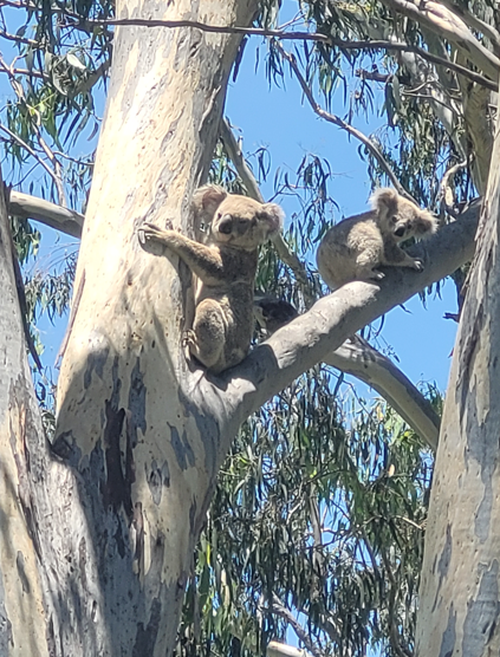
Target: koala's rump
349, 246
234, 307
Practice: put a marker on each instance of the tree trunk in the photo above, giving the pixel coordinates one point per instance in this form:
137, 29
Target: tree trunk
23, 458
96, 555
460, 601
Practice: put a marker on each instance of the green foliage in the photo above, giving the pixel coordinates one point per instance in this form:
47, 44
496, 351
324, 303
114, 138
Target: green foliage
315, 516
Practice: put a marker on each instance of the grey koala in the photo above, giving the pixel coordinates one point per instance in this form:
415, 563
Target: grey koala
354, 248
225, 267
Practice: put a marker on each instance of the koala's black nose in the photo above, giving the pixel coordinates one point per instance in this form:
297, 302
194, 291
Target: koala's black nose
225, 226
399, 232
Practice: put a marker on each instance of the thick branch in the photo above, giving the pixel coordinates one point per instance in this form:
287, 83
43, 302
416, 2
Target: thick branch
444, 22
310, 338
276, 649
358, 358
50, 214
475, 23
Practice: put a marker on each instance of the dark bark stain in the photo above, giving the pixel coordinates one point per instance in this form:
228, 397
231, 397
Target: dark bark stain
182, 449
139, 531
5, 624
137, 402
63, 445
82, 561
449, 635
145, 639
117, 487
443, 563
96, 360
21, 571
157, 478
482, 614
208, 429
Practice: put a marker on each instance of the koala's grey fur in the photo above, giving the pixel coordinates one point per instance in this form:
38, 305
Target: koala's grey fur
225, 266
354, 248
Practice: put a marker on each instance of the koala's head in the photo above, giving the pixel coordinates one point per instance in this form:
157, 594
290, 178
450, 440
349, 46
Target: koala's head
401, 218
237, 221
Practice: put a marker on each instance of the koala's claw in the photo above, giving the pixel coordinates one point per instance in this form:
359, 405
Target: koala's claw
418, 265
377, 275
149, 231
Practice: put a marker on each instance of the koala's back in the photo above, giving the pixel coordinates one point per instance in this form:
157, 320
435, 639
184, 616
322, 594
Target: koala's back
347, 247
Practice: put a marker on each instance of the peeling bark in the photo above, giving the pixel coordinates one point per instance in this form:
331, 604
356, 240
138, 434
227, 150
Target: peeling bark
460, 599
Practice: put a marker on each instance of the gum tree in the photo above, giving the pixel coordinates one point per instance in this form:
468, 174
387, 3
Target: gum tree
99, 523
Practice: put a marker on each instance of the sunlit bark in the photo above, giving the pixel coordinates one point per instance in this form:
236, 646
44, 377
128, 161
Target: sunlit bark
460, 600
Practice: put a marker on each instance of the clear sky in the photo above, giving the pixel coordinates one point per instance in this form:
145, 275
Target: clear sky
279, 119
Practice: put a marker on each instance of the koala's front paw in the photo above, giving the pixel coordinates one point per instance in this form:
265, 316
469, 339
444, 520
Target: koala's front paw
418, 265
149, 232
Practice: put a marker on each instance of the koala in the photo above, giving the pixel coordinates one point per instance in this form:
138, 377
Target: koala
355, 247
225, 265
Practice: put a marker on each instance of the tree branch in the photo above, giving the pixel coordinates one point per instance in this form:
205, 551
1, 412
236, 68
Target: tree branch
33, 153
279, 608
311, 337
343, 44
358, 358
276, 649
336, 120
50, 214
444, 22
475, 23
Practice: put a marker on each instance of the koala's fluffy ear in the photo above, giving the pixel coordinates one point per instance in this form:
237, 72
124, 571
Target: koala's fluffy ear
385, 201
207, 199
275, 215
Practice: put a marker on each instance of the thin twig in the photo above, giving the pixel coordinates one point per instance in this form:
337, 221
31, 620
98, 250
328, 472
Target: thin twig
336, 120
28, 148
19, 91
296, 36
445, 23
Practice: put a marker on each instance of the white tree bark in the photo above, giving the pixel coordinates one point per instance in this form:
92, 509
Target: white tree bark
21, 436
460, 600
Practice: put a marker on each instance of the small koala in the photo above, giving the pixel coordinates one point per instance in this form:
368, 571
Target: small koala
225, 267
354, 248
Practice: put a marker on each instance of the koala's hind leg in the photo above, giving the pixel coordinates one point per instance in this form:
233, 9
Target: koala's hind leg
366, 265
207, 338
